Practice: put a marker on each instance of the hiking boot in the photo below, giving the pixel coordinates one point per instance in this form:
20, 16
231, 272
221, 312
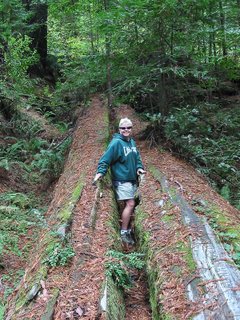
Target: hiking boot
127, 237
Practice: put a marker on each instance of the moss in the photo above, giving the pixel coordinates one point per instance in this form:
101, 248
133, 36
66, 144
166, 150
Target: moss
187, 251
156, 173
22, 297
224, 225
78, 190
152, 275
48, 313
104, 133
141, 235
66, 212
151, 271
167, 218
113, 222
48, 242
1, 311
227, 230
115, 304
115, 296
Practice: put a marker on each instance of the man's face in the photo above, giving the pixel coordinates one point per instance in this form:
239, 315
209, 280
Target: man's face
125, 129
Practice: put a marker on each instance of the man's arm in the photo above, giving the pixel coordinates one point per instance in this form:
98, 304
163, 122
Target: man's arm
105, 161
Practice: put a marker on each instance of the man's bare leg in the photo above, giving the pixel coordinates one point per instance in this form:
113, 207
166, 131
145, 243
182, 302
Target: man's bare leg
127, 212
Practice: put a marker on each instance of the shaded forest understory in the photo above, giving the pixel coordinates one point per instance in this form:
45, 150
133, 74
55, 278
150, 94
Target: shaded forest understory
78, 267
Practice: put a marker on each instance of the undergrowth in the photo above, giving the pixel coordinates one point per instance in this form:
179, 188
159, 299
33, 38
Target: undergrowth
35, 155
59, 254
208, 136
18, 214
119, 266
21, 217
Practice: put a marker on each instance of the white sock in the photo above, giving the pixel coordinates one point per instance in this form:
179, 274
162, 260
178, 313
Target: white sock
123, 231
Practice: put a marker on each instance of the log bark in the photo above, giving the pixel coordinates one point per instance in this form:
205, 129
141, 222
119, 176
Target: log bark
216, 268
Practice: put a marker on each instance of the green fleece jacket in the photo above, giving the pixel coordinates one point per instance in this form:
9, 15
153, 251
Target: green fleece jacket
122, 157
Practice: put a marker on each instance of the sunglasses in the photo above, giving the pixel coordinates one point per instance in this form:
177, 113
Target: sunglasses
125, 128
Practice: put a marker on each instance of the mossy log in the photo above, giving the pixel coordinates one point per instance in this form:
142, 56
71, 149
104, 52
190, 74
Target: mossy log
60, 214
48, 314
152, 270
115, 302
30, 286
112, 296
219, 275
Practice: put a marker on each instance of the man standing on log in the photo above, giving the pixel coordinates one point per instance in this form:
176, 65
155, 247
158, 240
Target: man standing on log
123, 157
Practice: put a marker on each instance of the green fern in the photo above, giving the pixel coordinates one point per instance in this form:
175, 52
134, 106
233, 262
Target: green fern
120, 264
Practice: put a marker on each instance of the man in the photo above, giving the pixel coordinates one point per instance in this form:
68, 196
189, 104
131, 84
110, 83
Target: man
123, 157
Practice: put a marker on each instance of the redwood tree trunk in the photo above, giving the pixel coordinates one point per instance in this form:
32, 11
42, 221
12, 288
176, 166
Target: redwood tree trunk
222, 24
108, 59
38, 20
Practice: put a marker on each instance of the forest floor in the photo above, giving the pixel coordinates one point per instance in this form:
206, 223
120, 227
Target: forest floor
80, 284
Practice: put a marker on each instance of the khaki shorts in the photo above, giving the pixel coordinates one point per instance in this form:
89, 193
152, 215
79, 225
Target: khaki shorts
124, 190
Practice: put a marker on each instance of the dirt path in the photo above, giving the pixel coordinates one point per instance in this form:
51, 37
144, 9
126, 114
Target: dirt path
80, 289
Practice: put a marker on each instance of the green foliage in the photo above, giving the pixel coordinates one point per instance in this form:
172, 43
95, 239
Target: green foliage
51, 161
20, 200
207, 135
24, 126
10, 282
13, 17
59, 254
120, 264
4, 164
19, 57
1, 310
225, 192
35, 156
62, 126
229, 67
23, 149
1, 245
18, 213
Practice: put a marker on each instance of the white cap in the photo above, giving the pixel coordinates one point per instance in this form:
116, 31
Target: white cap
125, 121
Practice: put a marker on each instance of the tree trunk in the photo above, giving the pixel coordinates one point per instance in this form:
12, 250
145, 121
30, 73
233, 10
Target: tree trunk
108, 60
210, 47
171, 40
222, 25
109, 76
39, 34
238, 6
91, 33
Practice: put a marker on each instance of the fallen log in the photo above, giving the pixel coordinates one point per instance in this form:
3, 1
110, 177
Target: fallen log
216, 268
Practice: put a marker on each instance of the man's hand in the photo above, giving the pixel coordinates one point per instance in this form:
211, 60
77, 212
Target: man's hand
140, 171
97, 177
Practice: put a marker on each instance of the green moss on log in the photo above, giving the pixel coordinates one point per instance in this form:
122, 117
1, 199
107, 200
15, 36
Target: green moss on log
103, 135
115, 297
50, 239
151, 271
115, 302
65, 214
49, 311
23, 295
226, 228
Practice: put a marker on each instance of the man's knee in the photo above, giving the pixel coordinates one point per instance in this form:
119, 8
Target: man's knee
130, 203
